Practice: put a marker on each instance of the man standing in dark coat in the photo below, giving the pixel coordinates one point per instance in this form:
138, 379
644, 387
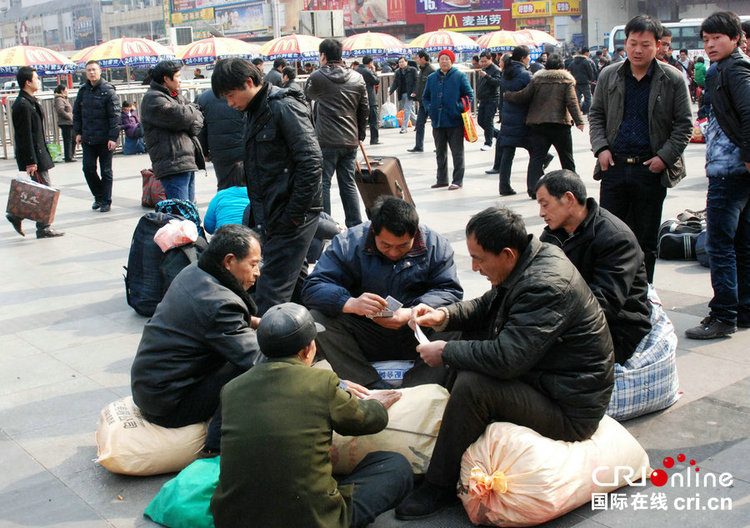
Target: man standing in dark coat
541, 356
368, 73
488, 87
584, 72
96, 121
283, 167
404, 84
32, 155
223, 139
425, 69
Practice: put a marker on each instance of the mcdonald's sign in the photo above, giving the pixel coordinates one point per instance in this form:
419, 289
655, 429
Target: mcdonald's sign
474, 21
450, 21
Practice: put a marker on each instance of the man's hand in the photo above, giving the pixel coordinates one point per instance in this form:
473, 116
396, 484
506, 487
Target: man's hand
31, 169
432, 353
655, 164
365, 304
482, 73
399, 319
424, 315
111, 145
386, 397
414, 95
356, 390
78, 139
605, 160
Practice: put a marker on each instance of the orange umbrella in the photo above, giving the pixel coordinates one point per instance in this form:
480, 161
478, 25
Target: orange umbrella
43, 59
209, 50
504, 40
292, 47
373, 44
124, 52
435, 41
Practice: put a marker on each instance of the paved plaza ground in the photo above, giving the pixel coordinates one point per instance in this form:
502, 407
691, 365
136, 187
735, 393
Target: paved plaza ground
68, 339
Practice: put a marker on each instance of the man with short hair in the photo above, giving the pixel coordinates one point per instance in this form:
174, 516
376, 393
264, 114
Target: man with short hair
488, 91
367, 71
687, 67
727, 102
640, 123
404, 84
197, 74
278, 418
274, 76
584, 72
664, 51
619, 55
607, 255
96, 121
391, 255
201, 335
425, 69
170, 130
535, 352
32, 156
341, 123
282, 171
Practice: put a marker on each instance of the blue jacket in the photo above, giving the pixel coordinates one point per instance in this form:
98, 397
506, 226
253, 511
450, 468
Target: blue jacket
352, 265
442, 97
226, 207
513, 131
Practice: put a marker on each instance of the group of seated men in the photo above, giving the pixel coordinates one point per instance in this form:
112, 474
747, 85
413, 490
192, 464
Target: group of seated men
541, 349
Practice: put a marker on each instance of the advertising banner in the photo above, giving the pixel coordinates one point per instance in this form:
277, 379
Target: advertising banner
457, 6
531, 9
475, 21
364, 13
567, 8
238, 19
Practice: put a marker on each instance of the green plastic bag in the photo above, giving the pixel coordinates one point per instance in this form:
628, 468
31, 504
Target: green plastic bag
184, 501
55, 151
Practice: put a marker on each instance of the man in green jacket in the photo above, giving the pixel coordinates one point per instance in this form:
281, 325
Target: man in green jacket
278, 420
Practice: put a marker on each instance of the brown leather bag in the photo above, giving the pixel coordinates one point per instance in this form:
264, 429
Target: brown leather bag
32, 200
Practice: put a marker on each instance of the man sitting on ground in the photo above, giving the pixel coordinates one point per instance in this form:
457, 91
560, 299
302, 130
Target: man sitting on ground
276, 465
541, 358
609, 258
391, 255
201, 335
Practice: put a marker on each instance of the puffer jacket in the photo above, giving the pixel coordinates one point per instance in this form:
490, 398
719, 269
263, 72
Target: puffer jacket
424, 72
488, 86
582, 69
28, 126
96, 113
442, 97
223, 134
669, 116
352, 265
170, 130
198, 326
341, 108
64, 110
130, 123
545, 328
513, 130
608, 256
283, 162
551, 97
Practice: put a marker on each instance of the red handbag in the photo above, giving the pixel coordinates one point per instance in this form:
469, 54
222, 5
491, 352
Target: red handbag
153, 190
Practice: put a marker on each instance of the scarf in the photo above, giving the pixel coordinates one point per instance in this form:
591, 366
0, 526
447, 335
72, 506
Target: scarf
227, 280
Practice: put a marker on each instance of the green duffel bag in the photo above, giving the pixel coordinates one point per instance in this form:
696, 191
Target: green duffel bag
55, 151
184, 501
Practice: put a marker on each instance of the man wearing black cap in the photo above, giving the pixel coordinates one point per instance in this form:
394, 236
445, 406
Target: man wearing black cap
278, 420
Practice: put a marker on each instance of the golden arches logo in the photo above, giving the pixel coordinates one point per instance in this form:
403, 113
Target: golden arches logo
396, 5
449, 21
204, 47
131, 48
285, 45
40, 56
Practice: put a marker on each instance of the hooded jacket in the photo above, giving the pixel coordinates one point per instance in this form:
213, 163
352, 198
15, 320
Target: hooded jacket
96, 113
341, 108
551, 97
28, 125
442, 97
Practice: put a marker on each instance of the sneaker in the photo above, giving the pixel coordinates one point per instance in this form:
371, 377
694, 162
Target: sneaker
96, 205
425, 501
403, 131
492, 171
711, 328
48, 232
16, 223
415, 149
105, 208
438, 185
485, 147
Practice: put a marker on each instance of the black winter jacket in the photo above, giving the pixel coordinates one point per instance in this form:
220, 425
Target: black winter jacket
223, 134
609, 258
170, 130
488, 87
96, 113
545, 328
730, 98
28, 127
404, 82
283, 162
582, 70
424, 72
371, 81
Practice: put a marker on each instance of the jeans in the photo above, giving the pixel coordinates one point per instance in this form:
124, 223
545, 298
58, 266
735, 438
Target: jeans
584, 90
728, 246
453, 137
101, 188
69, 142
635, 195
374, 121
485, 116
341, 160
381, 481
419, 127
477, 400
407, 105
180, 186
541, 137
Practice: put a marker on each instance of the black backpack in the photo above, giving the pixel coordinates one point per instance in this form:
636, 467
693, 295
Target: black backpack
678, 236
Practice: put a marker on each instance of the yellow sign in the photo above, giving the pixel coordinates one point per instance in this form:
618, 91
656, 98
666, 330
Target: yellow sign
531, 9
185, 16
567, 8
450, 21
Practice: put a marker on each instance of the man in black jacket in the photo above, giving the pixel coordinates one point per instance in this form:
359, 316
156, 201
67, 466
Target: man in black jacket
368, 73
404, 84
32, 155
584, 72
96, 121
425, 69
274, 76
490, 78
223, 139
283, 166
535, 352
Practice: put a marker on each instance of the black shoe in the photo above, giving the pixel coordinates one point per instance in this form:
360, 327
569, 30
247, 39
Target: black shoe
207, 453
532, 195
415, 149
376, 142
438, 185
492, 171
509, 192
105, 208
711, 328
547, 161
16, 223
96, 205
48, 232
426, 500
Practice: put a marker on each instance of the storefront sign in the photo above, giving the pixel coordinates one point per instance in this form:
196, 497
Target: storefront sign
531, 9
568, 8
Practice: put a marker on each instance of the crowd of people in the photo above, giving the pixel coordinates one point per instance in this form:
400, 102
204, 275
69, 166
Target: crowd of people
564, 334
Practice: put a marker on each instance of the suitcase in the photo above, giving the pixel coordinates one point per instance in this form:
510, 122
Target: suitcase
31, 200
153, 191
382, 177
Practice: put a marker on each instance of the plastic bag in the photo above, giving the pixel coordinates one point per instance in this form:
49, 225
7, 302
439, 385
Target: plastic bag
470, 129
699, 131
55, 151
176, 233
389, 115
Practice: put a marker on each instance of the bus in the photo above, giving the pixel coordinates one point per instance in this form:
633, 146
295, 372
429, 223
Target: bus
686, 34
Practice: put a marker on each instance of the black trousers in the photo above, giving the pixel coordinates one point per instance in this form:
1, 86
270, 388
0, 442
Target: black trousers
541, 137
453, 137
477, 400
101, 188
69, 142
486, 118
374, 121
635, 195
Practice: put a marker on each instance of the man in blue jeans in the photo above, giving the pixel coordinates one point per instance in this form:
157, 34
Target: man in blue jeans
727, 102
170, 130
